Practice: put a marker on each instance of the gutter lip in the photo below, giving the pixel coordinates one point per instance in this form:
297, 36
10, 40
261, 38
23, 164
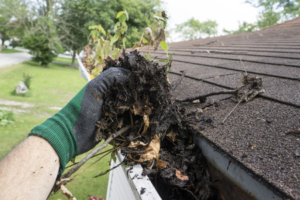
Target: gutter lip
136, 180
270, 186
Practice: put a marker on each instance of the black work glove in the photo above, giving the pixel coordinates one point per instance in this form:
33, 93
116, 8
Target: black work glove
72, 130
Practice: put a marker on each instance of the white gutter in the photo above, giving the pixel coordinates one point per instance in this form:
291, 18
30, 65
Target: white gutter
82, 70
243, 178
128, 183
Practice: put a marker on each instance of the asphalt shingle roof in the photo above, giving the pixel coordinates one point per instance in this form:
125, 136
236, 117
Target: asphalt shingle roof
256, 132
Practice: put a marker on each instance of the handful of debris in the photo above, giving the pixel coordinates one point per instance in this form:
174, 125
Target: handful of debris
158, 138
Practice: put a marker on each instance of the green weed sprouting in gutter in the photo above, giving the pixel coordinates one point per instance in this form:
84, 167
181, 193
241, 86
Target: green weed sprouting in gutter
168, 60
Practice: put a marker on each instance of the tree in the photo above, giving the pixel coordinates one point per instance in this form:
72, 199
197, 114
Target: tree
73, 24
38, 20
9, 26
287, 9
77, 16
267, 18
275, 11
243, 27
194, 29
141, 14
42, 41
4, 30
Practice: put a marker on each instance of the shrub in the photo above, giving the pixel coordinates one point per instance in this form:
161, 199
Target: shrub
39, 48
27, 80
15, 43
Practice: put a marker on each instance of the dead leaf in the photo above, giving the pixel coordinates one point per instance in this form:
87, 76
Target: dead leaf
146, 123
161, 164
252, 146
252, 86
61, 183
137, 145
151, 150
141, 110
160, 36
66, 192
149, 32
88, 61
180, 176
121, 122
138, 110
163, 14
196, 101
172, 135
294, 131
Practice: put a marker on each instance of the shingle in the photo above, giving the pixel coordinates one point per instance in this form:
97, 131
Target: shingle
261, 125
255, 133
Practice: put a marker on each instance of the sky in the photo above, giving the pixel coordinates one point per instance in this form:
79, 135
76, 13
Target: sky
227, 13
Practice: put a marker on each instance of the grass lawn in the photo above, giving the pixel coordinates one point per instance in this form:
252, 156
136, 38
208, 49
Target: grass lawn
53, 86
84, 184
10, 51
50, 86
64, 60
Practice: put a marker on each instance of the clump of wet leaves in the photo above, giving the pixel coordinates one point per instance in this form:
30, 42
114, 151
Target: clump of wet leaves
158, 138
252, 86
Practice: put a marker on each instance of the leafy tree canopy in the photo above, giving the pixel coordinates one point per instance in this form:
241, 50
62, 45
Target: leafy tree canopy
77, 16
42, 41
194, 29
9, 26
272, 12
243, 27
287, 9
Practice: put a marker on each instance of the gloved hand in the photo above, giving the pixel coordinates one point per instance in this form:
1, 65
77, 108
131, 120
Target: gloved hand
72, 130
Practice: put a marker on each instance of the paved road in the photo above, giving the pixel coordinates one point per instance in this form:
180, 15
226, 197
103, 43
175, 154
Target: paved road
15, 58
7, 59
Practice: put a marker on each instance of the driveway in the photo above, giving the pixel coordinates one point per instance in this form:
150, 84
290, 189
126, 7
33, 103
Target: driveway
7, 59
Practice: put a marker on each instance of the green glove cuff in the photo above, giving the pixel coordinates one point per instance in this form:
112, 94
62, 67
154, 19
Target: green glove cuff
57, 130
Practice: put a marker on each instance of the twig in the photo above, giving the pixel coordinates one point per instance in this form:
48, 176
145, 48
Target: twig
213, 51
174, 86
95, 151
243, 66
231, 112
103, 173
203, 97
110, 150
211, 42
91, 165
190, 193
